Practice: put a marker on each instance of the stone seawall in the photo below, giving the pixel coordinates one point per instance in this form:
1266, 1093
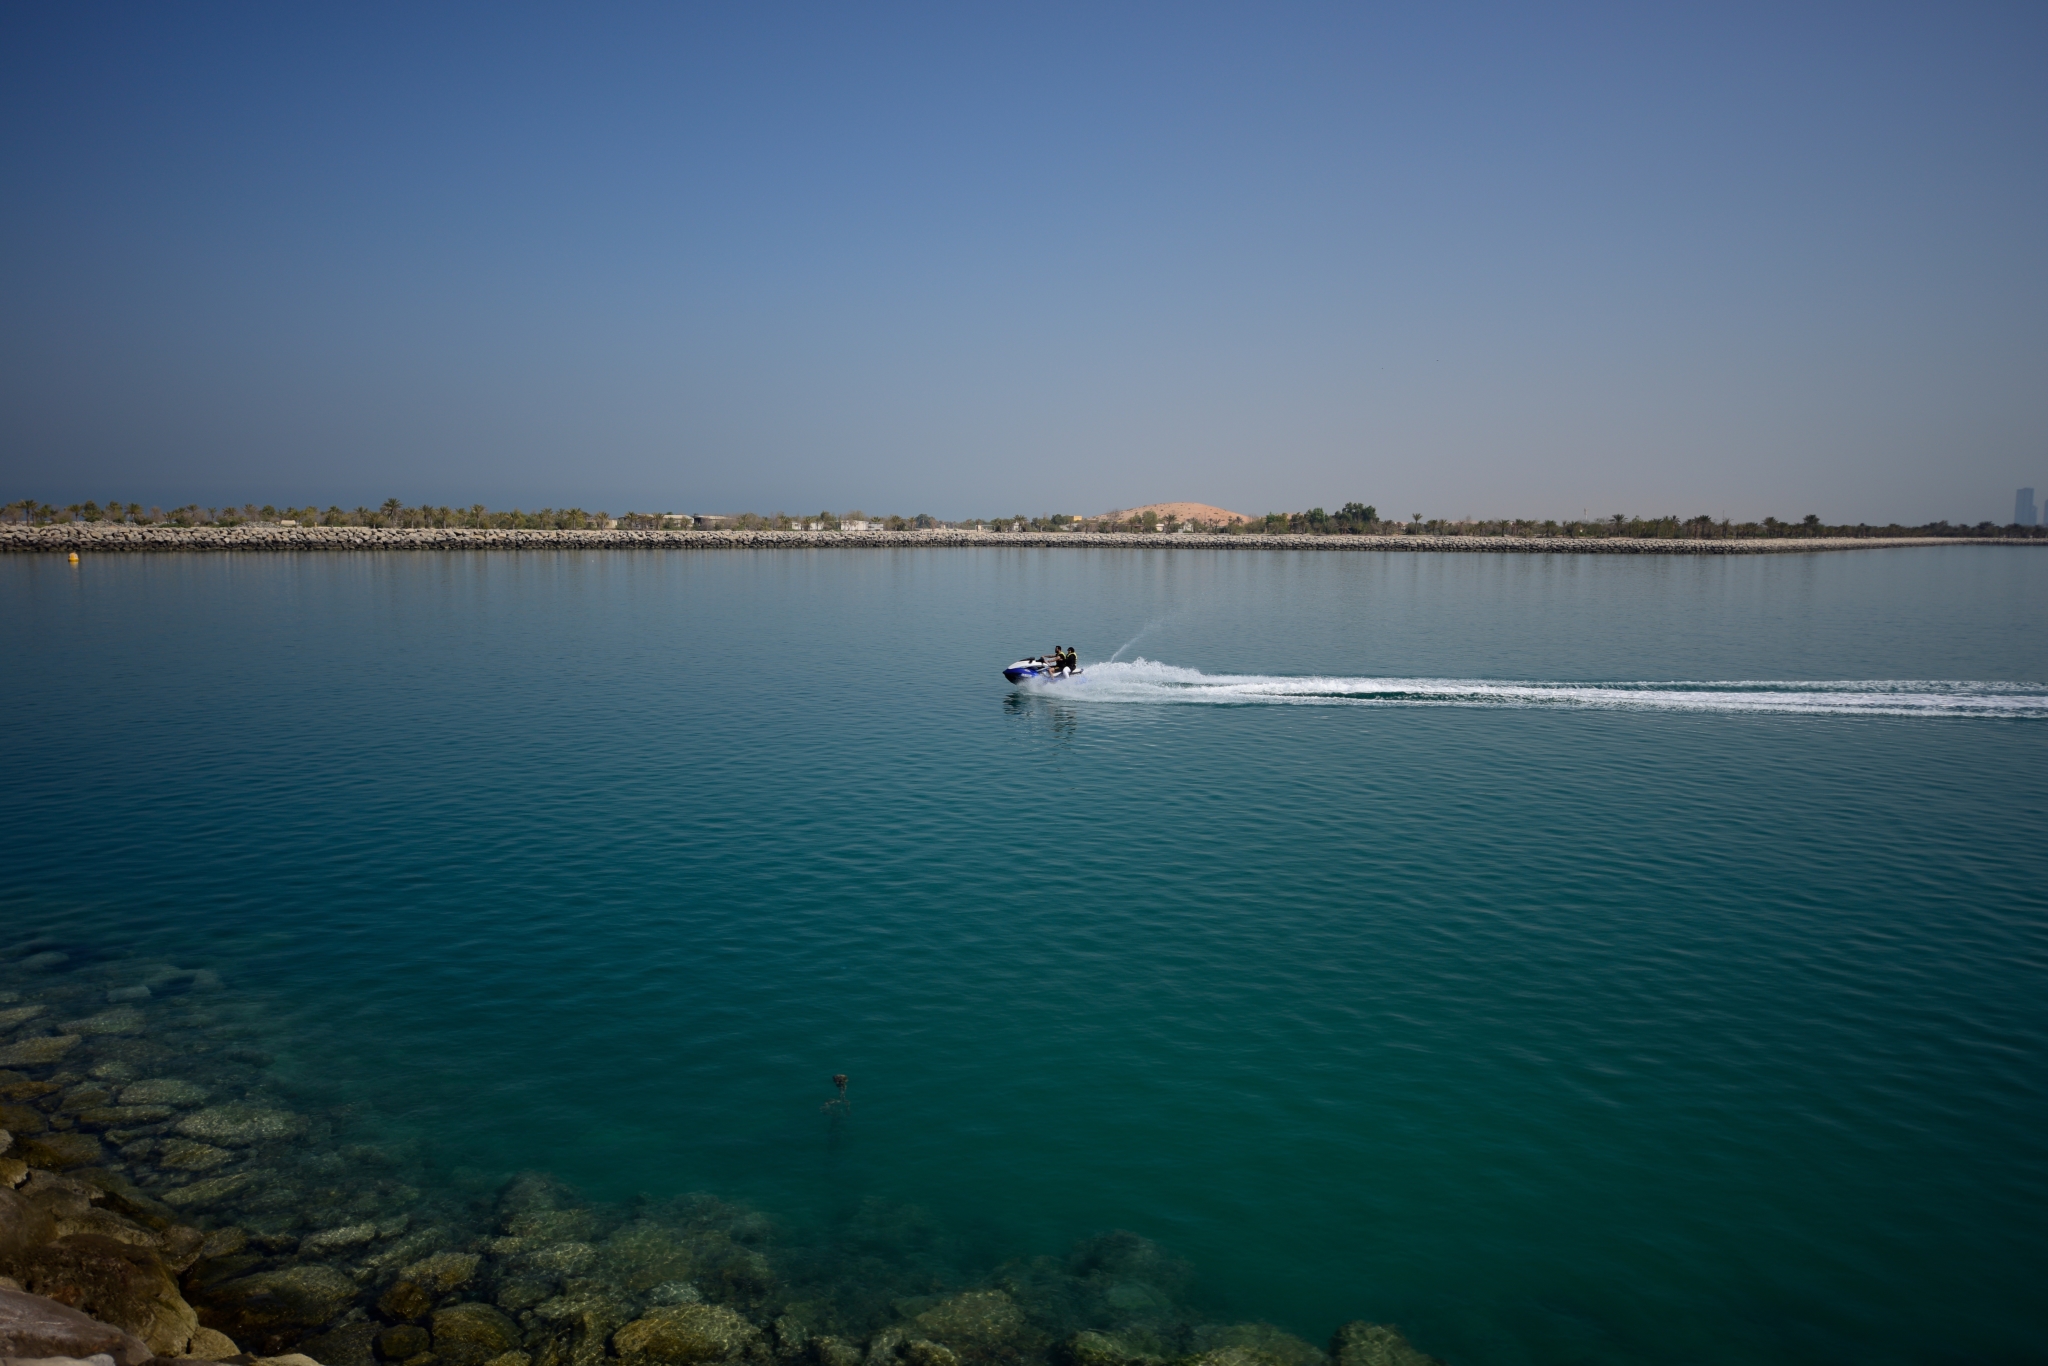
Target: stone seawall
102, 539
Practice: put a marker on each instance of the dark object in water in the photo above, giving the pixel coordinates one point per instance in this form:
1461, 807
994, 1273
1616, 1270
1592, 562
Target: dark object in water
1044, 669
842, 1103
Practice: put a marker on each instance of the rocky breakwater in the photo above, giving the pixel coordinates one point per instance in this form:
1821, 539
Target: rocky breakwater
101, 538
157, 1178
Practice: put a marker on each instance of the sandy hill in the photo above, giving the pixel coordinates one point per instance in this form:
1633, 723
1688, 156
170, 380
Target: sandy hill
1187, 512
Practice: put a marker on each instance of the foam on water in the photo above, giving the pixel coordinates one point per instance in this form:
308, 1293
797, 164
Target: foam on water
1149, 681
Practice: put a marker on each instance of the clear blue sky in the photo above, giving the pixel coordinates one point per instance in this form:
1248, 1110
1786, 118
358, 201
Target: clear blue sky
969, 258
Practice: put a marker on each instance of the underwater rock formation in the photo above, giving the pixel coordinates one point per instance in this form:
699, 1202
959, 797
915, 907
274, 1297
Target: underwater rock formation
158, 1178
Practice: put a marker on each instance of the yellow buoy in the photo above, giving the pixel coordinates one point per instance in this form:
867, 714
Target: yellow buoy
74, 557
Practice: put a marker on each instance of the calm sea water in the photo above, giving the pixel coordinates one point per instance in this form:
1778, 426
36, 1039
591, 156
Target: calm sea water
1568, 959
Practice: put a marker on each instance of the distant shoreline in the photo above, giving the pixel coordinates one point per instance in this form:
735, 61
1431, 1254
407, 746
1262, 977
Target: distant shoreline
104, 539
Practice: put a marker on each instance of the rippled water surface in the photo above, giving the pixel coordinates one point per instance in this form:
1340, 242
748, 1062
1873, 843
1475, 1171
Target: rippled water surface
1570, 960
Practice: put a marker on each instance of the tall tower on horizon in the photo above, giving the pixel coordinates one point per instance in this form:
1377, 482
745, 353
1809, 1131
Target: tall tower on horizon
2023, 508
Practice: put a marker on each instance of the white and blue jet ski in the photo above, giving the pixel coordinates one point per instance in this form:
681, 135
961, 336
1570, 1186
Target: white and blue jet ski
1041, 670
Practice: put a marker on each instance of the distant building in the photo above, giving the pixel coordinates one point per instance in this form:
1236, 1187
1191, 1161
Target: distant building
2023, 508
858, 526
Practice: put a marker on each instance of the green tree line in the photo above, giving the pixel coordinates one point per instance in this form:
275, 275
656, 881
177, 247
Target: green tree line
1352, 519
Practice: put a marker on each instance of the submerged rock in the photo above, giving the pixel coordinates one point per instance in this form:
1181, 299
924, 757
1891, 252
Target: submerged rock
1252, 1344
39, 1051
403, 1342
336, 1239
240, 1125
162, 1091
675, 1292
687, 1333
124, 1116
980, 1323
183, 1155
523, 1292
831, 1351
443, 1273
124, 1020
1359, 1343
345, 1346
1112, 1349
61, 1151
212, 1191
405, 1300
258, 1307
116, 1282
646, 1254
918, 1352
470, 1334
19, 1015
562, 1259
22, 1119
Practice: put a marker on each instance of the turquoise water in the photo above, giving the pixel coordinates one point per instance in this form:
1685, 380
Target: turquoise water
1568, 959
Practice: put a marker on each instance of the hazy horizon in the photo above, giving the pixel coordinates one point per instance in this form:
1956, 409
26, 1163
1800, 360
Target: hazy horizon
1474, 261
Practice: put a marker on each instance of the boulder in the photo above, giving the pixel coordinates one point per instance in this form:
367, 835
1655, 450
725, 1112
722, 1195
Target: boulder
470, 1334
21, 1120
35, 1326
980, 1323
687, 1333
274, 1307
1255, 1344
15, 1015
349, 1345
1112, 1349
59, 1151
24, 1224
117, 1283
1375, 1344
524, 1292
444, 1273
830, 1351
403, 1342
211, 1345
919, 1352
405, 1300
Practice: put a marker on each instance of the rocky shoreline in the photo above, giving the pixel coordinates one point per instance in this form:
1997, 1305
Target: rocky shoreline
104, 538
165, 1190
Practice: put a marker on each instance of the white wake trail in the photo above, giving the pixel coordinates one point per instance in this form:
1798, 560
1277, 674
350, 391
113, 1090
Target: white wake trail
1148, 681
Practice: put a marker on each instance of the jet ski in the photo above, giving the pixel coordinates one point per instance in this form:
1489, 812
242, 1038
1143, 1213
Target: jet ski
1041, 670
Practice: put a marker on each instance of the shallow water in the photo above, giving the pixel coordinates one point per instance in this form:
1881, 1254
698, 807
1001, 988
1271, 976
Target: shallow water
1616, 958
